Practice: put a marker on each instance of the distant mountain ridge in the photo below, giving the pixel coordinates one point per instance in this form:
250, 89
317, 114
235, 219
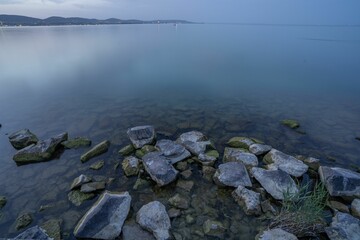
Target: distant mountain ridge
17, 20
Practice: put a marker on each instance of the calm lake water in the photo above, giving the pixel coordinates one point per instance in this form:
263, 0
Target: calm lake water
224, 80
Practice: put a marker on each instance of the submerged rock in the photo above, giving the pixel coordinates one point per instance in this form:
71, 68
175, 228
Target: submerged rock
40, 152
206, 160
3, 201
132, 231
105, 218
92, 187
213, 228
127, 150
76, 143
275, 182
179, 201
237, 155
291, 123
23, 220
77, 197
34, 233
232, 174
95, 151
141, 135
287, 163
98, 165
248, 200
80, 180
259, 149
343, 227
154, 218
172, 151
185, 185
22, 139
208, 172
240, 142
52, 227
159, 168
355, 208
276, 234
131, 166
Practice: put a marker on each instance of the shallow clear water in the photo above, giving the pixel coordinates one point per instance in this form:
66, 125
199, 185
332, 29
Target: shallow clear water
224, 80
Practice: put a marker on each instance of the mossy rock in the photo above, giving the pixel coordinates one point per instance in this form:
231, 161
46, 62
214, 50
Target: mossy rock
213, 153
98, 165
77, 197
76, 143
23, 221
3, 201
127, 150
240, 142
53, 228
291, 123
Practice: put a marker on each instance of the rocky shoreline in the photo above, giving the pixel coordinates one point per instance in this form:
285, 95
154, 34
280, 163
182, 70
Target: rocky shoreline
260, 177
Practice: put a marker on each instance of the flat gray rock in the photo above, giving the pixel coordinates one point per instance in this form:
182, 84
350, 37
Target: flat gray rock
248, 200
343, 227
232, 174
172, 151
34, 233
240, 142
141, 136
92, 187
195, 142
80, 180
76, 143
238, 155
275, 182
22, 139
340, 182
133, 231
355, 208
277, 234
287, 163
42, 151
159, 168
154, 218
259, 149
206, 160
95, 151
105, 218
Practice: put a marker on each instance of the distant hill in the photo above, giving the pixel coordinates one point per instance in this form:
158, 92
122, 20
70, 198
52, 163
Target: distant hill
16, 20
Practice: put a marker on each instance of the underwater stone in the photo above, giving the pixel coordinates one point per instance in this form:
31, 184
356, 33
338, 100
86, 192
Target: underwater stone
98, 165
76, 143
127, 150
213, 228
34, 233
232, 174
23, 220
92, 187
131, 166
95, 151
22, 139
291, 123
105, 219
179, 201
240, 142
248, 200
80, 180
77, 197
141, 135
53, 228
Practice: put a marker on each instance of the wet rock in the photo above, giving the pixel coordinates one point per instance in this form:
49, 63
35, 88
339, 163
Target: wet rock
154, 218
172, 151
131, 166
193, 136
98, 165
248, 200
189, 219
95, 151
40, 152
339, 206
76, 143
287, 163
127, 150
291, 123
266, 207
343, 227
23, 220
313, 163
132, 231
185, 185
208, 172
174, 212
181, 166
179, 201
34, 233
105, 218
53, 228
159, 168
22, 139
355, 208
186, 174
92, 187
275, 182
80, 180
3, 201
141, 135
340, 182
77, 197
237, 155
195, 142
213, 228
141, 183
276, 234
240, 142
206, 160
259, 149
213, 153
232, 174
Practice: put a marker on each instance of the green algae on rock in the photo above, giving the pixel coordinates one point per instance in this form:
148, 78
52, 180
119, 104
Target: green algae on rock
76, 143
291, 123
3, 201
127, 150
23, 221
240, 142
22, 139
95, 151
77, 197
98, 165
53, 228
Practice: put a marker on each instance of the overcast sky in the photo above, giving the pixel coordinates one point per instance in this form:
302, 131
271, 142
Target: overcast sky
252, 11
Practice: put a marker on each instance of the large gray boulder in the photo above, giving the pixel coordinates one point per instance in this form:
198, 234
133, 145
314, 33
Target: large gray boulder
105, 218
95, 151
34, 233
154, 218
232, 174
159, 168
287, 163
141, 136
172, 151
22, 139
195, 142
343, 227
340, 182
275, 182
248, 200
42, 151
276, 234
238, 155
